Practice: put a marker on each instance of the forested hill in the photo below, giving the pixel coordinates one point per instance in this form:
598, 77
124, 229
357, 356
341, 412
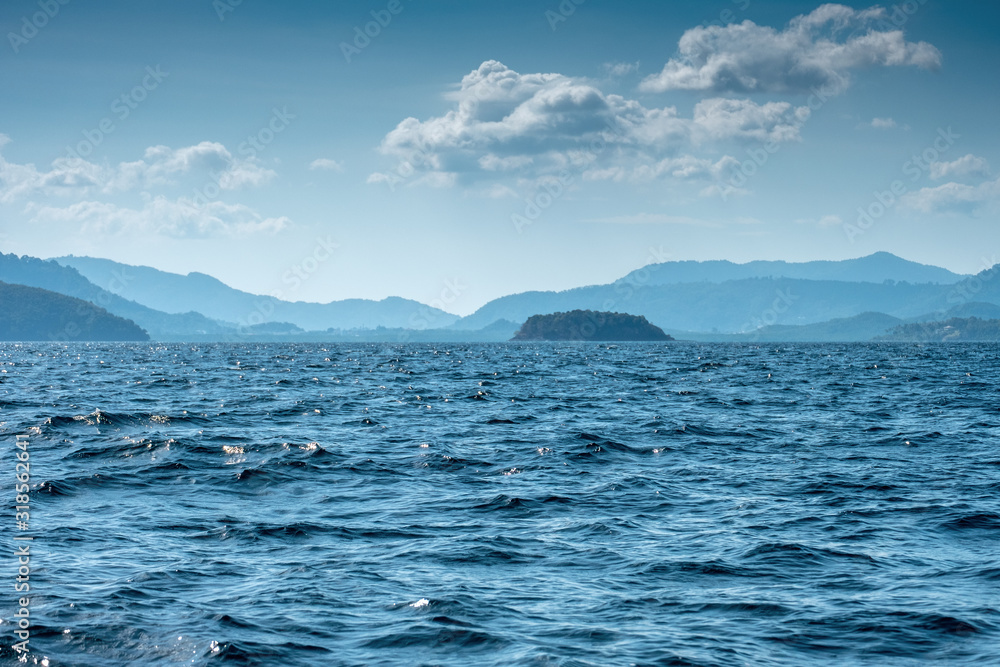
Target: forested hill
956, 330
35, 314
590, 325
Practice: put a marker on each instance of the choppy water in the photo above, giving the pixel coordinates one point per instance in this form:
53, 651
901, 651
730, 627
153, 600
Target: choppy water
522, 504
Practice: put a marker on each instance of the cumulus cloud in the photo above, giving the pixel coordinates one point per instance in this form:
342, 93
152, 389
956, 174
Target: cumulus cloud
883, 123
504, 123
954, 197
160, 166
815, 51
726, 118
968, 165
201, 215
682, 168
183, 218
326, 164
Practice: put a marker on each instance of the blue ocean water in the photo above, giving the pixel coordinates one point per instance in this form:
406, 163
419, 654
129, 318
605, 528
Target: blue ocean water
510, 504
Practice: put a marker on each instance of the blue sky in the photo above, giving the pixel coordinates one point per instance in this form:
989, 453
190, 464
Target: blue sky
461, 151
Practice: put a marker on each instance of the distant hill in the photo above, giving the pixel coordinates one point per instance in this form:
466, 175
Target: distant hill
49, 275
755, 308
717, 306
272, 328
984, 311
582, 325
175, 293
34, 314
954, 330
876, 268
861, 327
731, 307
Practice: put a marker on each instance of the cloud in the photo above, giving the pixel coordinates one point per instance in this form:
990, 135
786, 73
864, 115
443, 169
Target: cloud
824, 222
968, 165
506, 124
726, 118
883, 123
159, 167
182, 218
327, 164
954, 197
684, 168
211, 164
620, 69
654, 219
815, 51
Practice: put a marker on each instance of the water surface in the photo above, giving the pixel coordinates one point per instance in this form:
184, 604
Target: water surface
511, 504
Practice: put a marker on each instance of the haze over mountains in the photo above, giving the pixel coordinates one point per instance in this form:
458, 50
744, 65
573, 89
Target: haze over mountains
175, 293
875, 268
854, 299
722, 297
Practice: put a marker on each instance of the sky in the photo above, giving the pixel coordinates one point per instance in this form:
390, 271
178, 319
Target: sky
454, 152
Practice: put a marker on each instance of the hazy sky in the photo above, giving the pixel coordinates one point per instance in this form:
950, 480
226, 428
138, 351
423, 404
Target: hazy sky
458, 151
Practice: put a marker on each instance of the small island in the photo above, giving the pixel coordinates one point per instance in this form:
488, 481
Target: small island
589, 325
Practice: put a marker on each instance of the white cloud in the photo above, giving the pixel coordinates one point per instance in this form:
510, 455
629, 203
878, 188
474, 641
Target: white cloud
327, 164
815, 51
178, 218
160, 166
67, 176
773, 121
500, 191
824, 222
209, 163
883, 123
954, 197
684, 168
530, 125
655, 219
968, 165
620, 69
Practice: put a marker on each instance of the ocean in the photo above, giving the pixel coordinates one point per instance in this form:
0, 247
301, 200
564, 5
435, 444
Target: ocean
501, 504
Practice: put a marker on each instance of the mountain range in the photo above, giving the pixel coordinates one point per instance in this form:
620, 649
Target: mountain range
175, 293
876, 268
856, 299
